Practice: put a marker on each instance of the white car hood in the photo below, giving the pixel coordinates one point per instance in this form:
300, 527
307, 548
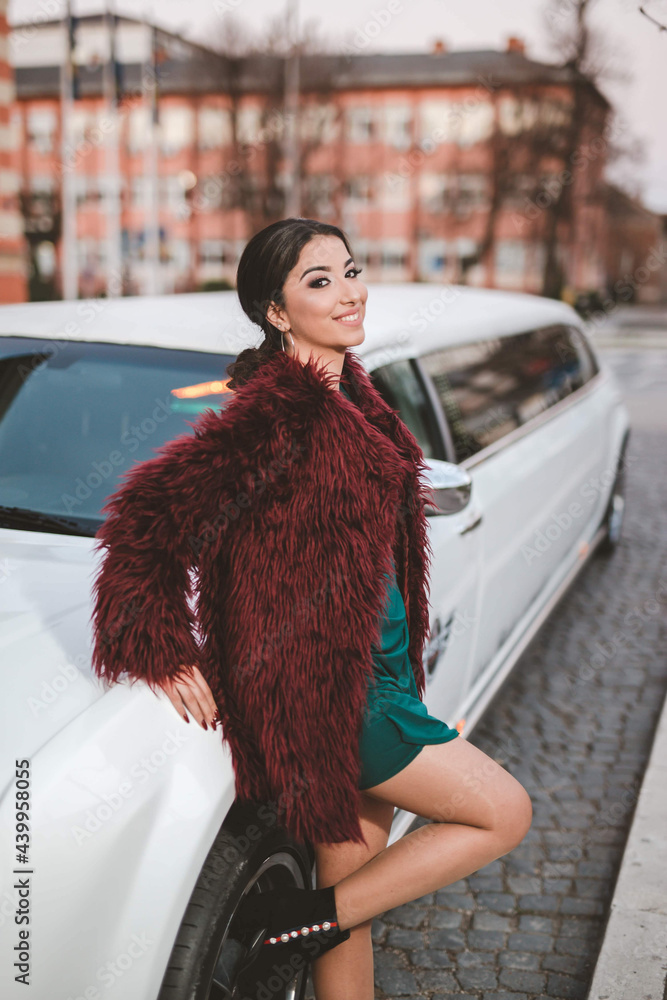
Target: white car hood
45, 637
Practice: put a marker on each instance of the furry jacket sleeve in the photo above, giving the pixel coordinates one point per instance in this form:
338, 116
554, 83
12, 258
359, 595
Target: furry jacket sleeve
143, 625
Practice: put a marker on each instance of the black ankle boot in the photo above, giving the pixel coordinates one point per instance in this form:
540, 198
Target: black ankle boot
298, 926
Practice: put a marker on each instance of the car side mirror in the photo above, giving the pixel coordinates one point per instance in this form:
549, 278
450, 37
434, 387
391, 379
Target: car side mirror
450, 485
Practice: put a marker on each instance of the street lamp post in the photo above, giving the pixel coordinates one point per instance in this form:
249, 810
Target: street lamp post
291, 149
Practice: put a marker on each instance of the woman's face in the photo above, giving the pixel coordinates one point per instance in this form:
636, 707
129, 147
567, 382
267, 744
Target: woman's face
321, 289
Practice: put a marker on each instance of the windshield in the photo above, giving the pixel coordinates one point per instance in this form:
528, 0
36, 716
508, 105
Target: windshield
74, 416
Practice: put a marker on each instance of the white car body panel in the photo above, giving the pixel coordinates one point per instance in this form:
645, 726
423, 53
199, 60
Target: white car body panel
126, 796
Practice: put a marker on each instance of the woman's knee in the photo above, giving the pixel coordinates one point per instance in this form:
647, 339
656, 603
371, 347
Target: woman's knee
514, 817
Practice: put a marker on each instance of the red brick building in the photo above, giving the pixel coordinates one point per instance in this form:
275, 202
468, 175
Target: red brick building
13, 287
440, 165
636, 253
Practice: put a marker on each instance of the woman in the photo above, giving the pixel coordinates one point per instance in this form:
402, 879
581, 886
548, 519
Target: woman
312, 604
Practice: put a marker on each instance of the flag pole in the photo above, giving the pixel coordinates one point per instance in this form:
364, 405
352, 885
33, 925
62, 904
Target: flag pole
68, 259
112, 161
151, 211
292, 84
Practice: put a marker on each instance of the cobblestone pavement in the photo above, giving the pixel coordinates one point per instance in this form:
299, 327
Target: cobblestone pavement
574, 723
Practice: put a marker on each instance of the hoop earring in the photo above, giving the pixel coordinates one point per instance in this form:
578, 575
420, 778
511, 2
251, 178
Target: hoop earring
282, 338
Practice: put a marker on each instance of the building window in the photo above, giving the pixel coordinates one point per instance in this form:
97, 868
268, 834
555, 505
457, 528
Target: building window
472, 193
397, 125
83, 128
210, 193
217, 252
139, 187
172, 194
445, 121
318, 123
176, 129
319, 192
435, 123
555, 114
360, 124
91, 254
432, 258
16, 129
359, 190
394, 192
519, 188
87, 188
475, 123
249, 124
364, 253
138, 130
180, 253
214, 128
510, 262
536, 260
41, 127
515, 115
434, 191
211, 251
394, 256
42, 184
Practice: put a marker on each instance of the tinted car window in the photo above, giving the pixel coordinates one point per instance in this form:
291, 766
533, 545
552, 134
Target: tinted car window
401, 387
74, 416
581, 350
491, 387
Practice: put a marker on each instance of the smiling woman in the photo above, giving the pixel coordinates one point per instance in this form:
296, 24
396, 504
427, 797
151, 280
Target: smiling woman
318, 302
291, 597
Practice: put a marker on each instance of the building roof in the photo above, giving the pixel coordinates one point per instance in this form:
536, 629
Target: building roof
621, 204
193, 68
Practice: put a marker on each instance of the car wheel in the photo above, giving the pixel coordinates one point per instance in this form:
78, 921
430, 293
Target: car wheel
614, 515
247, 856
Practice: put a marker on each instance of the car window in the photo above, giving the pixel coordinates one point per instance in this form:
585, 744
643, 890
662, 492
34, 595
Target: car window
400, 386
74, 416
581, 349
490, 387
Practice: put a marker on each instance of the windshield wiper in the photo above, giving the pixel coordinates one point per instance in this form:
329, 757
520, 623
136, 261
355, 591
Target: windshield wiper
36, 520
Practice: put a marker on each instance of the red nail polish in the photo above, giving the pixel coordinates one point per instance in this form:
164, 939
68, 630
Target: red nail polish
186, 718
204, 724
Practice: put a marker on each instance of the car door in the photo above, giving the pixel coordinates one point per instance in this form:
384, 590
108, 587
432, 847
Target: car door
455, 541
507, 403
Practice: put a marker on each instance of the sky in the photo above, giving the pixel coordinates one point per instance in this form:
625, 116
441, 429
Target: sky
633, 44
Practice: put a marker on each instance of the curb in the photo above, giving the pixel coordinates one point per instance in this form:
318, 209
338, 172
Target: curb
633, 958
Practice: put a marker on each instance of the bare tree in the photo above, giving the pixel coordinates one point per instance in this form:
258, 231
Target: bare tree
592, 60
539, 150
252, 172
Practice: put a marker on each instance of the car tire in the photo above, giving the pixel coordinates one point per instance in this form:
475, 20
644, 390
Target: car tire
615, 512
250, 853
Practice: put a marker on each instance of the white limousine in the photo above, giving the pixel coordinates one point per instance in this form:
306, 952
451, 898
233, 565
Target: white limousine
124, 851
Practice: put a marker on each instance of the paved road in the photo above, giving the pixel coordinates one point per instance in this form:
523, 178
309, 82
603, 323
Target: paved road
643, 375
574, 723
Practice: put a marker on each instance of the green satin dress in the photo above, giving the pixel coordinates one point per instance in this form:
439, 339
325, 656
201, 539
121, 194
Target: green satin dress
396, 723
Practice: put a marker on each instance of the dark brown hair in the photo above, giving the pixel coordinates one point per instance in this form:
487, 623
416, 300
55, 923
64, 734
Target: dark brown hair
265, 263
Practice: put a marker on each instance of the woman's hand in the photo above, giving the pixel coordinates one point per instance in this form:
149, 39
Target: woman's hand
195, 695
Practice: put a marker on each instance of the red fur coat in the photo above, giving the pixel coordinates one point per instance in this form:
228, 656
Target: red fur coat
278, 516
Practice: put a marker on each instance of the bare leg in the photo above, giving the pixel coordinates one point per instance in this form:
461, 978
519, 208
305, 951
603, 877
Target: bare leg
347, 970
480, 813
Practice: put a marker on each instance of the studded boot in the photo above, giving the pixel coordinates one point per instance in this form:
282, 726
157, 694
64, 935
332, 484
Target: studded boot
297, 925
